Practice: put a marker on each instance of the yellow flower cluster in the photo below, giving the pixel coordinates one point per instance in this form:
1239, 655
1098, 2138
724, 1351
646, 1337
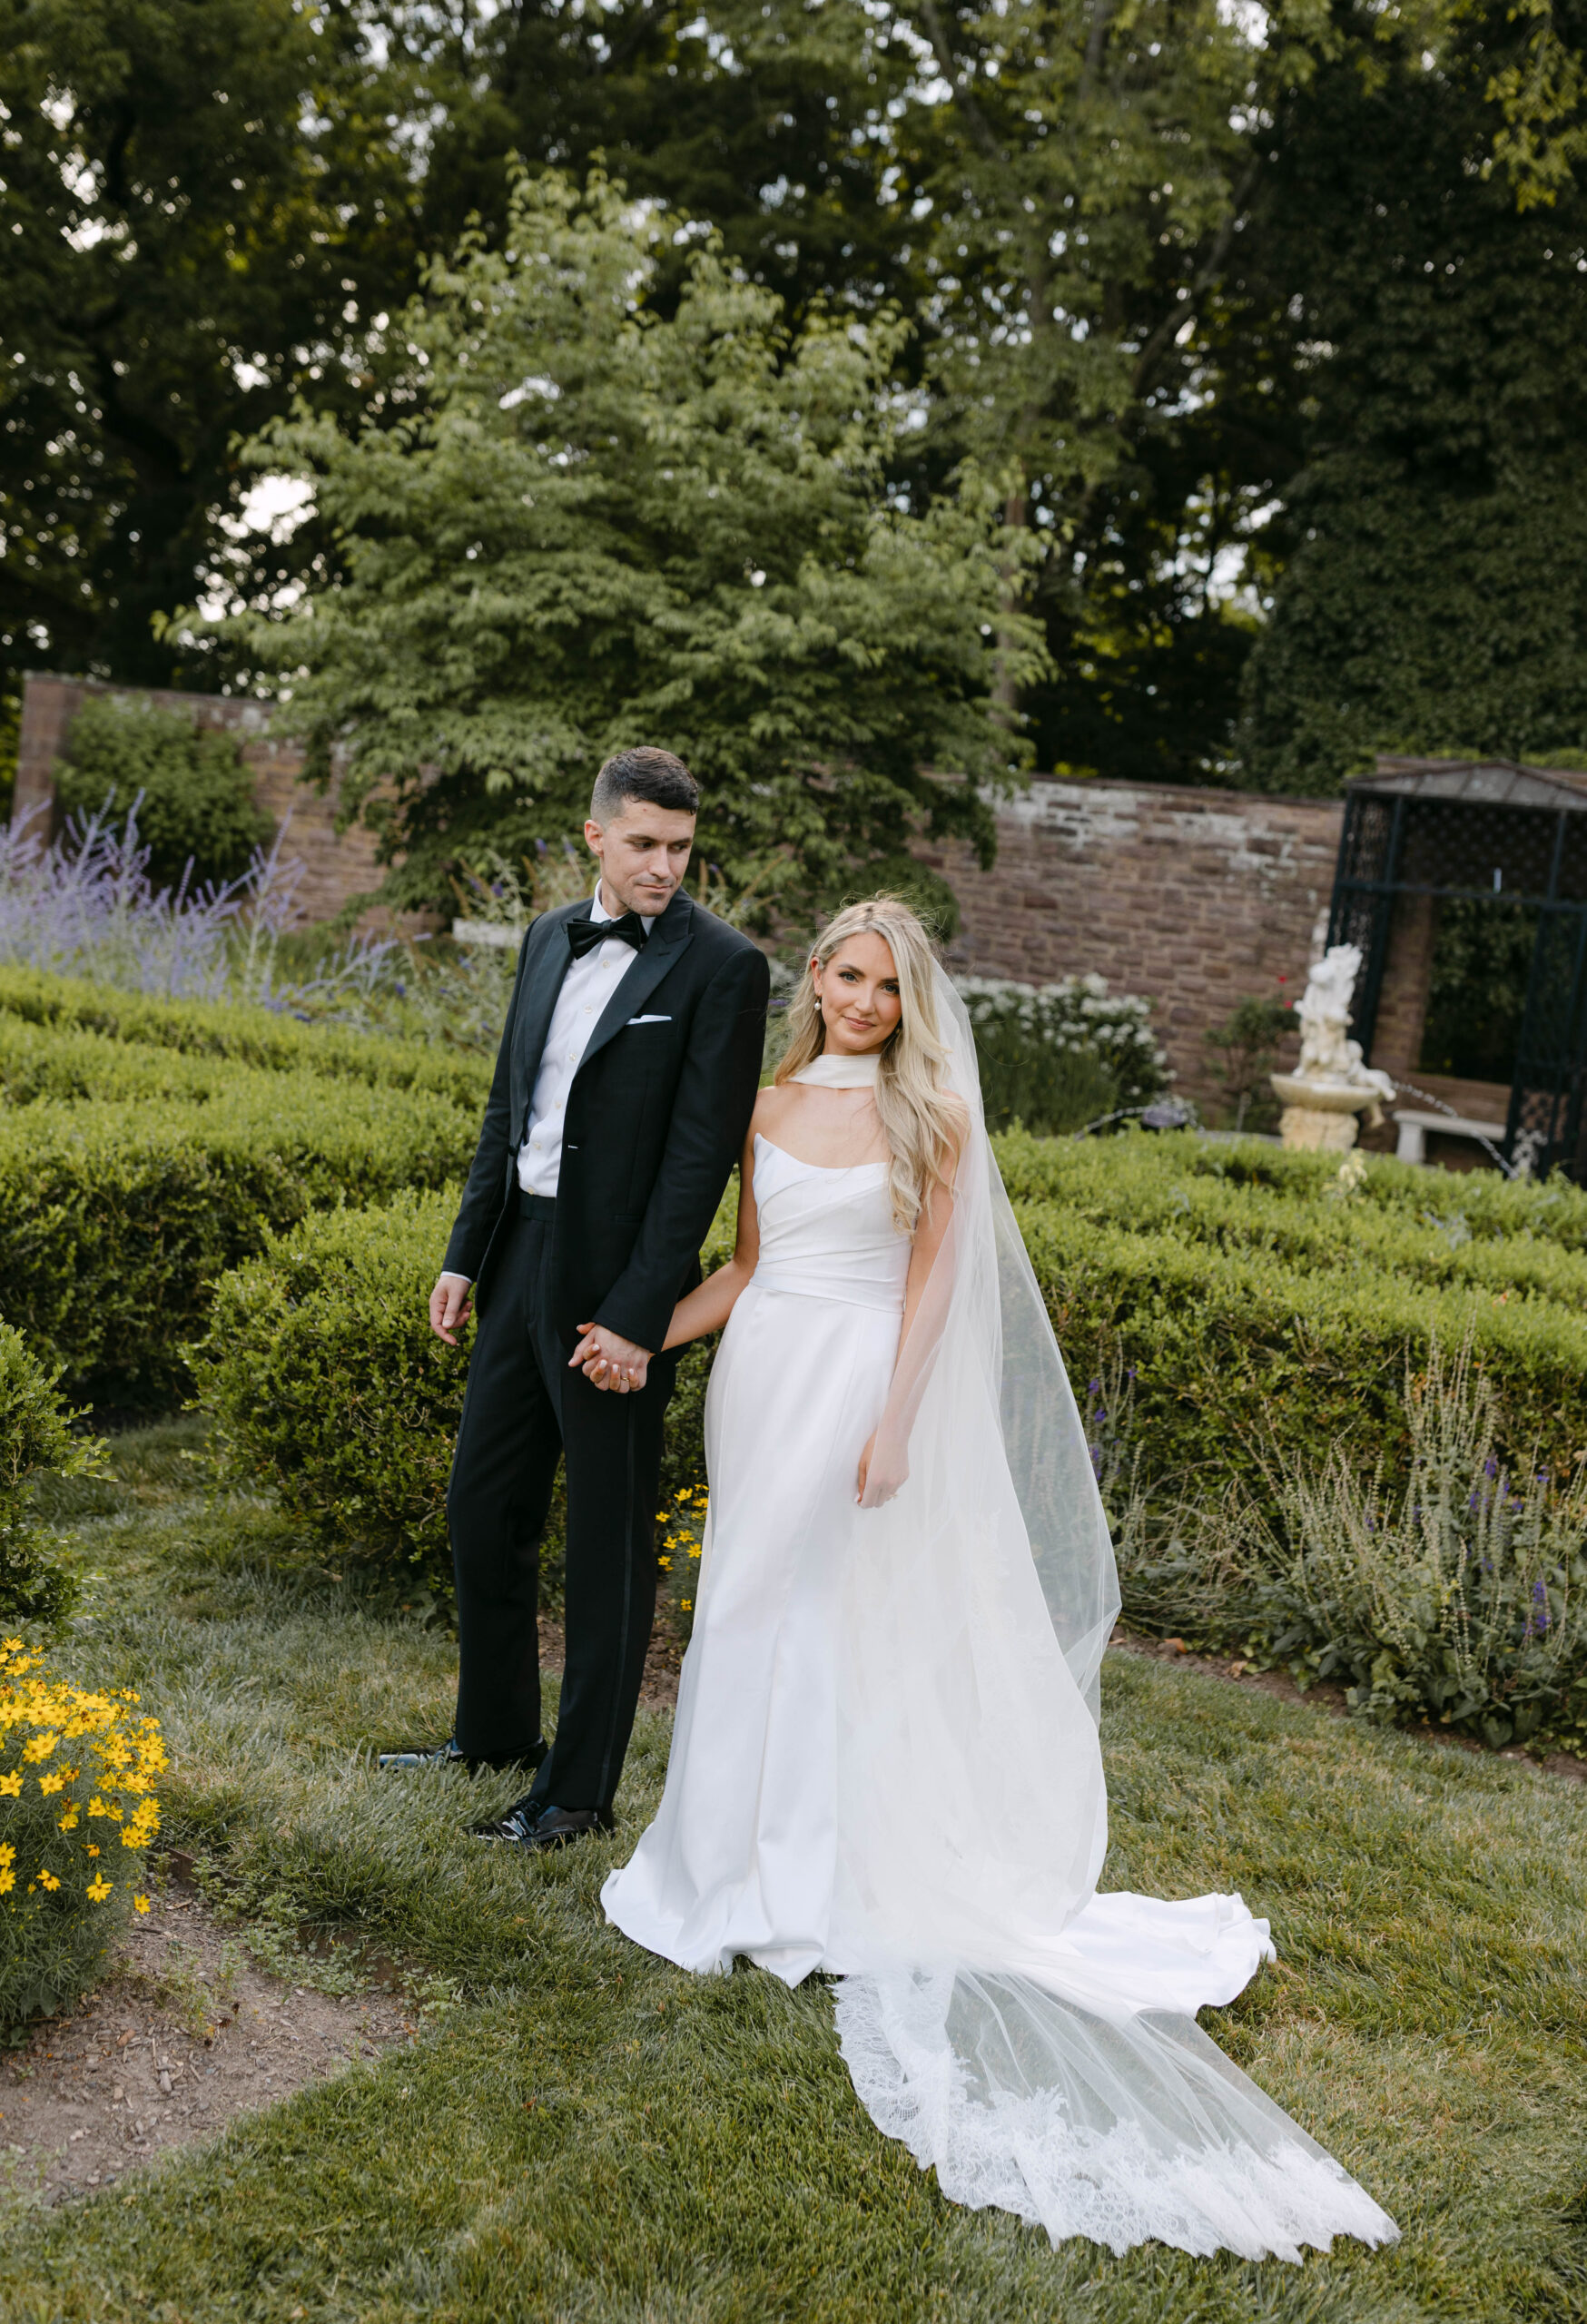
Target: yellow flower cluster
684, 1530
96, 1749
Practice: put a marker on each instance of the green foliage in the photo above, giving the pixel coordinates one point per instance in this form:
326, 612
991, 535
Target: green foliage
1456, 1593
206, 1028
329, 1387
1483, 951
615, 519
116, 1218
1055, 1057
1264, 1320
192, 191
1431, 553
1245, 1046
328, 1384
36, 1589
192, 795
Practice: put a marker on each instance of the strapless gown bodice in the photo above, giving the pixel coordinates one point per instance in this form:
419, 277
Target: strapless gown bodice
828, 1234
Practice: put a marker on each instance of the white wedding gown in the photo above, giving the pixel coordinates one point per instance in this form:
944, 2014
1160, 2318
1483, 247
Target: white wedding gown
883, 1766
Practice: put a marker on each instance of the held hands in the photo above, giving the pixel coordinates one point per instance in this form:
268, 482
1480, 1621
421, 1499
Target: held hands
449, 1304
610, 1361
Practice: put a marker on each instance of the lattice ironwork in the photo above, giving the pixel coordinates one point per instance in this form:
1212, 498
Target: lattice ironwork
1545, 1100
1514, 834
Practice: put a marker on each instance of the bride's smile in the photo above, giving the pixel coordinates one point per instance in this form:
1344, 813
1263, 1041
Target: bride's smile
858, 992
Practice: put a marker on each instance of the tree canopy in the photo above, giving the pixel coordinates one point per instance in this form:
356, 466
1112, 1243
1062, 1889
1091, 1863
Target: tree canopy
1263, 322
590, 520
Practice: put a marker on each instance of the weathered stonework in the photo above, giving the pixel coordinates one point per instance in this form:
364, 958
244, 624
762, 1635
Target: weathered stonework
1196, 899
336, 866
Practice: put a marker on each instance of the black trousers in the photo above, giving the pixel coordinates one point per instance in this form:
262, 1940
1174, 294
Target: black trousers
523, 1409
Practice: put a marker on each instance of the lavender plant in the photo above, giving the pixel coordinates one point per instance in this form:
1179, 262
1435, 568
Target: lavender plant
83, 904
1459, 1595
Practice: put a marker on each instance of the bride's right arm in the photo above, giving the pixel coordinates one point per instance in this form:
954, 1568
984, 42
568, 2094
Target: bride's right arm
708, 1307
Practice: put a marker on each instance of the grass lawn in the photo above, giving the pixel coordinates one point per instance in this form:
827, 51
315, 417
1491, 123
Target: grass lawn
583, 2132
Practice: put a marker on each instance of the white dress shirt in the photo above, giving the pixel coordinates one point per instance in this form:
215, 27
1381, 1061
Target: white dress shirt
588, 985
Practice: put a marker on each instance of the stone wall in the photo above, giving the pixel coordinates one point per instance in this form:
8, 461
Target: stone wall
1196, 899
336, 866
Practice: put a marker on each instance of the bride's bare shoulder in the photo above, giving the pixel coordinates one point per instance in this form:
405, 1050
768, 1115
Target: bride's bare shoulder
771, 1106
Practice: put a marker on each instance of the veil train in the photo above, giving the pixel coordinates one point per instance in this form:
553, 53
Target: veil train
1033, 2041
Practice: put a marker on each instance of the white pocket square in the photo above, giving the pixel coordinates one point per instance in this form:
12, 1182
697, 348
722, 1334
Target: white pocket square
650, 1021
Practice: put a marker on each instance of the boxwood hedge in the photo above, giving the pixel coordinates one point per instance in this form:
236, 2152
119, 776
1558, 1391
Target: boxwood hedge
327, 1385
1258, 1312
116, 1217
255, 1037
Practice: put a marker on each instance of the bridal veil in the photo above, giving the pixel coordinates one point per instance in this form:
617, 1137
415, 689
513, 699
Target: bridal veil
1032, 2041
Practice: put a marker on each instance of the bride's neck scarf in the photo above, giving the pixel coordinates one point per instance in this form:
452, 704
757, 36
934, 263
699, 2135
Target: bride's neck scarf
832, 1071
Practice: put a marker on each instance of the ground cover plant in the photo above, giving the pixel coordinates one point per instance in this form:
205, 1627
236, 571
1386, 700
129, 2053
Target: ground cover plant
584, 2133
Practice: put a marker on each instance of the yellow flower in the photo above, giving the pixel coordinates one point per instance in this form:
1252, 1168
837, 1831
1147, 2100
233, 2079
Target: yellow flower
40, 1747
48, 1880
11, 1785
141, 1904
92, 1848
7, 1882
68, 1822
98, 1889
47, 1784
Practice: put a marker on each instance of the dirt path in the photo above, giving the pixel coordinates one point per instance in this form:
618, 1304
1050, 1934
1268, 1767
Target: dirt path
188, 2034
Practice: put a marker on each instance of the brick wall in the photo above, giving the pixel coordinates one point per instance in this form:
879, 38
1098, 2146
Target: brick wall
336, 867
1194, 899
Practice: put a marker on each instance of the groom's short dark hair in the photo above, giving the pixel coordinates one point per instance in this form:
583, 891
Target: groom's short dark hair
644, 773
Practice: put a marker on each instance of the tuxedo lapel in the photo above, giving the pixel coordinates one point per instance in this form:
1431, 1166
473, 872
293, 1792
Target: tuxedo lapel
669, 940
543, 982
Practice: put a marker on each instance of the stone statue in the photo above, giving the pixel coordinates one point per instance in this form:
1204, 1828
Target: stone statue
1331, 1087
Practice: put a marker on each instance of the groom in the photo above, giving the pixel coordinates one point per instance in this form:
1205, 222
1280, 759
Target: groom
623, 1091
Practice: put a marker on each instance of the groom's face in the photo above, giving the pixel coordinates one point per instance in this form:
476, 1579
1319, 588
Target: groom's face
644, 852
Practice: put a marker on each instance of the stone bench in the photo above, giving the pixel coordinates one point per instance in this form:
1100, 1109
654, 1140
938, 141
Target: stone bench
1413, 1128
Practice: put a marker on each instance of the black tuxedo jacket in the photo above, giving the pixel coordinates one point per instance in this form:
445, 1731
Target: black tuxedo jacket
656, 1119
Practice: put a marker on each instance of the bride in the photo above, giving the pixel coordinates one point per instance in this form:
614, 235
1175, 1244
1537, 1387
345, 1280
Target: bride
885, 1762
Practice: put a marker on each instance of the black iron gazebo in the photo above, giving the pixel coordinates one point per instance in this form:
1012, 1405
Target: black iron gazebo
1483, 833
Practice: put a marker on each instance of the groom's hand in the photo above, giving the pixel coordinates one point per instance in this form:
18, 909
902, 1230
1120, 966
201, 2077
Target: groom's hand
448, 1306
609, 1360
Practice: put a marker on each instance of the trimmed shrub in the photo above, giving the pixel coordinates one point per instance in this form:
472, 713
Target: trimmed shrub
329, 1387
77, 1814
197, 800
35, 1591
1239, 1357
246, 1036
115, 1219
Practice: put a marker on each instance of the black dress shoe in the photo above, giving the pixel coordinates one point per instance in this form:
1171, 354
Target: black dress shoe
527, 1824
447, 1755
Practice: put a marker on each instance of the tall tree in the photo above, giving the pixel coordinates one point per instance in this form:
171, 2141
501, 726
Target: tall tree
1431, 556
605, 521
203, 203
1087, 175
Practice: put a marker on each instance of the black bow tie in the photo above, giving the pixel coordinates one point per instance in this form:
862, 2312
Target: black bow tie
584, 935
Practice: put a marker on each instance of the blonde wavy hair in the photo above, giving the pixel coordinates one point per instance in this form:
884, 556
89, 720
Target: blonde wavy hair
922, 1119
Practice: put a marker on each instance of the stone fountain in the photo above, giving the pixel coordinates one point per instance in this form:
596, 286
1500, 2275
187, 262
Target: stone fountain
1330, 1089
